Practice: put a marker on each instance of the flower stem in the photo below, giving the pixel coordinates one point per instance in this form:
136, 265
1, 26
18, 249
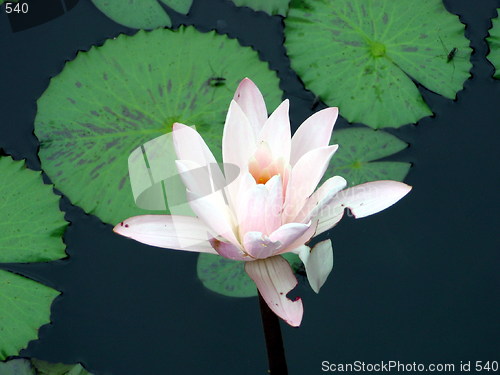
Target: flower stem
274, 340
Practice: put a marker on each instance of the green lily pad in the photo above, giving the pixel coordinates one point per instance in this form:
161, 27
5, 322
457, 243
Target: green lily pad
8, 1
48, 368
363, 56
272, 7
24, 307
31, 231
228, 277
142, 14
358, 148
24, 366
18, 366
114, 98
494, 43
33, 224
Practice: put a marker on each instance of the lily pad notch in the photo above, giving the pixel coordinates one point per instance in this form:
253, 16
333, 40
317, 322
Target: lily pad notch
494, 43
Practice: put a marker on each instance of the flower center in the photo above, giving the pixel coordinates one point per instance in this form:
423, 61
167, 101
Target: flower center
261, 176
262, 166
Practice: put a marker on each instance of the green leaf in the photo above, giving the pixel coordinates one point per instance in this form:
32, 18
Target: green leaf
47, 368
112, 99
23, 366
180, 6
362, 56
24, 306
494, 43
272, 7
8, 1
34, 224
31, 231
141, 14
358, 147
19, 366
228, 277
225, 276
138, 14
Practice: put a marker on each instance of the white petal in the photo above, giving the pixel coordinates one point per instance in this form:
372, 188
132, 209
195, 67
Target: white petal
189, 145
305, 176
215, 216
274, 279
203, 181
363, 200
252, 103
314, 132
245, 182
238, 140
274, 204
251, 210
276, 132
200, 179
318, 262
321, 198
168, 231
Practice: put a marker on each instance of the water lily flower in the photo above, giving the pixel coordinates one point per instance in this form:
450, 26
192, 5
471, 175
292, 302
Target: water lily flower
272, 206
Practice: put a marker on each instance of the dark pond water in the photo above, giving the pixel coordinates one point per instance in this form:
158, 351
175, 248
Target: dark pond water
419, 282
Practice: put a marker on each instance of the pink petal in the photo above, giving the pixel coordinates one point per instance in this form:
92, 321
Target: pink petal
214, 215
274, 204
228, 250
259, 245
320, 198
305, 176
245, 182
274, 279
251, 210
289, 233
315, 132
363, 200
318, 262
252, 103
168, 231
276, 132
308, 234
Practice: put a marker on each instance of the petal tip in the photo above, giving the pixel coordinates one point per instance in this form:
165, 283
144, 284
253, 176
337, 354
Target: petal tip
123, 229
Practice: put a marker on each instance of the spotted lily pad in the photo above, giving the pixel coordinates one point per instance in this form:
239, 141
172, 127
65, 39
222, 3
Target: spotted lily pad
114, 98
272, 7
142, 14
364, 56
24, 366
228, 277
494, 43
358, 148
31, 231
